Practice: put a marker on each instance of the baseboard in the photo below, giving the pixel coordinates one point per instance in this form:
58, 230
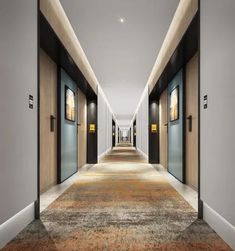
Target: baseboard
10, 228
104, 153
159, 167
222, 227
145, 155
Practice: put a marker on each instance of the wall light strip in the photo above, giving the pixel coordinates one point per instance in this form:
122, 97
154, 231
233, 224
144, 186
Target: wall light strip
183, 16
107, 102
139, 104
56, 16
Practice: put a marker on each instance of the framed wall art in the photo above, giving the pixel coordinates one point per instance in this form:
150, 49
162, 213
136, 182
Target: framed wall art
69, 104
174, 104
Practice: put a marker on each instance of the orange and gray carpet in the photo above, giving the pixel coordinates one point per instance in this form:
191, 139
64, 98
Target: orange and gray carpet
122, 203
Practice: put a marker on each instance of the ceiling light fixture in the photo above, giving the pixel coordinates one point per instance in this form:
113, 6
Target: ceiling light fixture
122, 20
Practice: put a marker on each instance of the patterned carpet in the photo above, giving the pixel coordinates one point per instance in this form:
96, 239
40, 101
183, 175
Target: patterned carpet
123, 203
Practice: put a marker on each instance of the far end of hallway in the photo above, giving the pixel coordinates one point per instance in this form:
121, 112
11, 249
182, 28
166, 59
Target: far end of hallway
122, 203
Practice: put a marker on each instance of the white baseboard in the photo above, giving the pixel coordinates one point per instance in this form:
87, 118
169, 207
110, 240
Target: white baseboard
102, 154
10, 228
145, 155
222, 227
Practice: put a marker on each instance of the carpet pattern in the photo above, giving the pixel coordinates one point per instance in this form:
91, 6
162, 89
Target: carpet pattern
119, 204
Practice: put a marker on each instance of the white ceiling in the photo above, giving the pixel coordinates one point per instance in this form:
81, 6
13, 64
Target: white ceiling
121, 54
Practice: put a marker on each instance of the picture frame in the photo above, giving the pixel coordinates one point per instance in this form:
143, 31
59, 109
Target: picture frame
174, 104
69, 104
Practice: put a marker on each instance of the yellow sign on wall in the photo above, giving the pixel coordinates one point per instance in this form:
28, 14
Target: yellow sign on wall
154, 128
92, 128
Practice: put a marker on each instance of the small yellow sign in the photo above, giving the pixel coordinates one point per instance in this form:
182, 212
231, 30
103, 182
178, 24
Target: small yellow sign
92, 128
154, 128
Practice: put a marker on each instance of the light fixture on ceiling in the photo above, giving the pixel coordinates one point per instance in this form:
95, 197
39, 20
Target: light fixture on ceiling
122, 20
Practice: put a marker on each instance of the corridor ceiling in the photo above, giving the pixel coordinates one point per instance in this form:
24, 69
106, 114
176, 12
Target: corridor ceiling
121, 39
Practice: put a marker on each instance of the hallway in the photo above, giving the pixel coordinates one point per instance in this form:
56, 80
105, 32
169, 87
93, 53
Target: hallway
122, 203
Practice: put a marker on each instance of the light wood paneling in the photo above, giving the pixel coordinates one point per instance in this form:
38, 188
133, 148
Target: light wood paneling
48, 107
192, 109
82, 129
163, 128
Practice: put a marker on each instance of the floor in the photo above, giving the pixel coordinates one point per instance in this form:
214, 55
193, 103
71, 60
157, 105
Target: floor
53, 193
189, 194
122, 203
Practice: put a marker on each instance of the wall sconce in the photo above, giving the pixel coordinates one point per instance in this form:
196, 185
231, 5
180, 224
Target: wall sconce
154, 128
92, 128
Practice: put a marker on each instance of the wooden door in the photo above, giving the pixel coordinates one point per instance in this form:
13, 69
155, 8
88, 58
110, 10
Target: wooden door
191, 85
82, 129
48, 114
163, 128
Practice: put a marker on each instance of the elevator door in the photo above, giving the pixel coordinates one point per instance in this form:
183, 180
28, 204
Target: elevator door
192, 123
48, 129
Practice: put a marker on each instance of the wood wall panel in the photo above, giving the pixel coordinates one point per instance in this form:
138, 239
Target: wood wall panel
48, 107
163, 128
82, 129
191, 87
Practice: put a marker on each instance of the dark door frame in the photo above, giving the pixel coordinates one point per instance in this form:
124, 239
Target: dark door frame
200, 202
130, 131
134, 133
113, 133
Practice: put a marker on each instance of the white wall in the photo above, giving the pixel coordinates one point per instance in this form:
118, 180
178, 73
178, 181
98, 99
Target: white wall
104, 125
18, 127
142, 124
218, 121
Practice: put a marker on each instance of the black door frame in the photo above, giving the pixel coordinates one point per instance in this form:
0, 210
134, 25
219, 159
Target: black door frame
134, 133
113, 133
